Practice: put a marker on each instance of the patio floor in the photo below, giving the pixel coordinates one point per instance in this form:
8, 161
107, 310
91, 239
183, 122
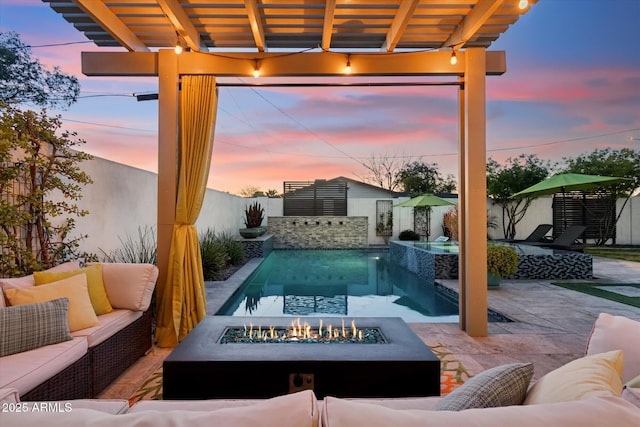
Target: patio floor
550, 327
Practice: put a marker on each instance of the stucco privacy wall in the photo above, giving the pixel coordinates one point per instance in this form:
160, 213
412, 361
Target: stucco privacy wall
540, 212
123, 199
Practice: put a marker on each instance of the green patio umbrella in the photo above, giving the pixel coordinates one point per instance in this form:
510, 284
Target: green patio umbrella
425, 200
564, 182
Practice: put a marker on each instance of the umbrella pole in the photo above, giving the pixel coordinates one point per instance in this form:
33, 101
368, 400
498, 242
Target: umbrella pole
564, 211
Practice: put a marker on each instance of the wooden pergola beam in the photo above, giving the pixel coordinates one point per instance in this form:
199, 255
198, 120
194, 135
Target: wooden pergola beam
327, 26
399, 24
478, 16
102, 15
182, 24
320, 64
253, 12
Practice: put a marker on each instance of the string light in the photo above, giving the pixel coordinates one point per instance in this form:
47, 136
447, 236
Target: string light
523, 4
178, 49
347, 69
454, 58
256, 70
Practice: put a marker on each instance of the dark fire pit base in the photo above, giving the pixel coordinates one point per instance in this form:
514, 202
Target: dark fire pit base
201, 367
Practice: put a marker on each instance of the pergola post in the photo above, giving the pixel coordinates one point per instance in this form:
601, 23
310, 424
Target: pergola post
462, 211
168, 81
473, 223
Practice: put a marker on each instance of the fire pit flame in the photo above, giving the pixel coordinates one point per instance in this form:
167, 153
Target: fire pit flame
298, 332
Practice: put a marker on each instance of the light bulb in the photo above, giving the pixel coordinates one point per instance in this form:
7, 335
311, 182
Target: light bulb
178, 49
347, 69
256, 70
454, 58
523, 4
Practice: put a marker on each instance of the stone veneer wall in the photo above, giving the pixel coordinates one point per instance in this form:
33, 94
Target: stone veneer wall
319, 232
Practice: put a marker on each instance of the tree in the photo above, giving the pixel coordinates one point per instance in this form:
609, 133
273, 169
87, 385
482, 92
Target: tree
505, 180
420, 178
607, 162
23, 79
384, 170
273, 194
39, 182
250, 191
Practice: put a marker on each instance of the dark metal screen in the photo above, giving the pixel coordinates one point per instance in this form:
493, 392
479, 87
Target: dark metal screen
315, 198
597, 212
384, 217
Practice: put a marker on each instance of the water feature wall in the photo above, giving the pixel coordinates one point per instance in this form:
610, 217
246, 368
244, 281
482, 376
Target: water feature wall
319, 232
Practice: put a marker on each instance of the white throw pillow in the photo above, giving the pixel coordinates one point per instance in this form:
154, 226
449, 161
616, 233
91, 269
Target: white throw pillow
589, 376
617, 333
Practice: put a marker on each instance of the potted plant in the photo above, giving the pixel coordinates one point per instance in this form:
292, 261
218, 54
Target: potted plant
502, 261
253, 216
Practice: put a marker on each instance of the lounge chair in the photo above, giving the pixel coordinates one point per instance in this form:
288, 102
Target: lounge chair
566, 240
536, 235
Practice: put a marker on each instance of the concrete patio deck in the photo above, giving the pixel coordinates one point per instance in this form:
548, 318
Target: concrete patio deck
550, 328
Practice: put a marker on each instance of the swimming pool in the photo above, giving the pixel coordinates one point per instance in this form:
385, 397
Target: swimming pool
338, 283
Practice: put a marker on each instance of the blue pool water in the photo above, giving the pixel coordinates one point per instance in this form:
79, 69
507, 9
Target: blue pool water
338, 283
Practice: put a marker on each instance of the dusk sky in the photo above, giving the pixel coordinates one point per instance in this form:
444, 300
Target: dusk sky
572, 85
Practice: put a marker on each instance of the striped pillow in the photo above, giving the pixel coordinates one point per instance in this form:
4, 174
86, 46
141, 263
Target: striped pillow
29, 326
504, 385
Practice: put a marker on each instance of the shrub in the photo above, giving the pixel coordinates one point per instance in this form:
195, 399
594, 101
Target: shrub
254, 214
450, 223
142, 249
502, 260
235, 249
214, 255
408, 235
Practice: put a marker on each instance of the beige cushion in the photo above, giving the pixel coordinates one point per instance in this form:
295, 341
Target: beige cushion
129, 286
617, 333
80, 314
592, 412
631, 395
9, 395
29, 281
26, 370
97, 293
293, 410
590, 376
110, 324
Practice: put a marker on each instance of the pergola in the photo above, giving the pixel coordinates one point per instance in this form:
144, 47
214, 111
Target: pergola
282, 39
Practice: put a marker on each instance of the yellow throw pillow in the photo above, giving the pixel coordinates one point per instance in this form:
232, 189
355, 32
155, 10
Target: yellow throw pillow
97, 293
80, 314
590, 376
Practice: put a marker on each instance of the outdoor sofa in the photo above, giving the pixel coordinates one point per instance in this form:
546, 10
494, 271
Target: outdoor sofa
75, 332
588, 391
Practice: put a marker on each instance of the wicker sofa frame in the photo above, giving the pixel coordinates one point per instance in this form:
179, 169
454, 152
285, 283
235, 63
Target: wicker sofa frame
102, 364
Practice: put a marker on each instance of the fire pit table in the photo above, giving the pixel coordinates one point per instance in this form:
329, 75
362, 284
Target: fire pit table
262, 357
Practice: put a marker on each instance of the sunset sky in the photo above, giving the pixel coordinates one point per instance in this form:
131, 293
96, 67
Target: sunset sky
572, 85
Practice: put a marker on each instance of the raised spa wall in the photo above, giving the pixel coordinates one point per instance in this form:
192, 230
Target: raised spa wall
429, 265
